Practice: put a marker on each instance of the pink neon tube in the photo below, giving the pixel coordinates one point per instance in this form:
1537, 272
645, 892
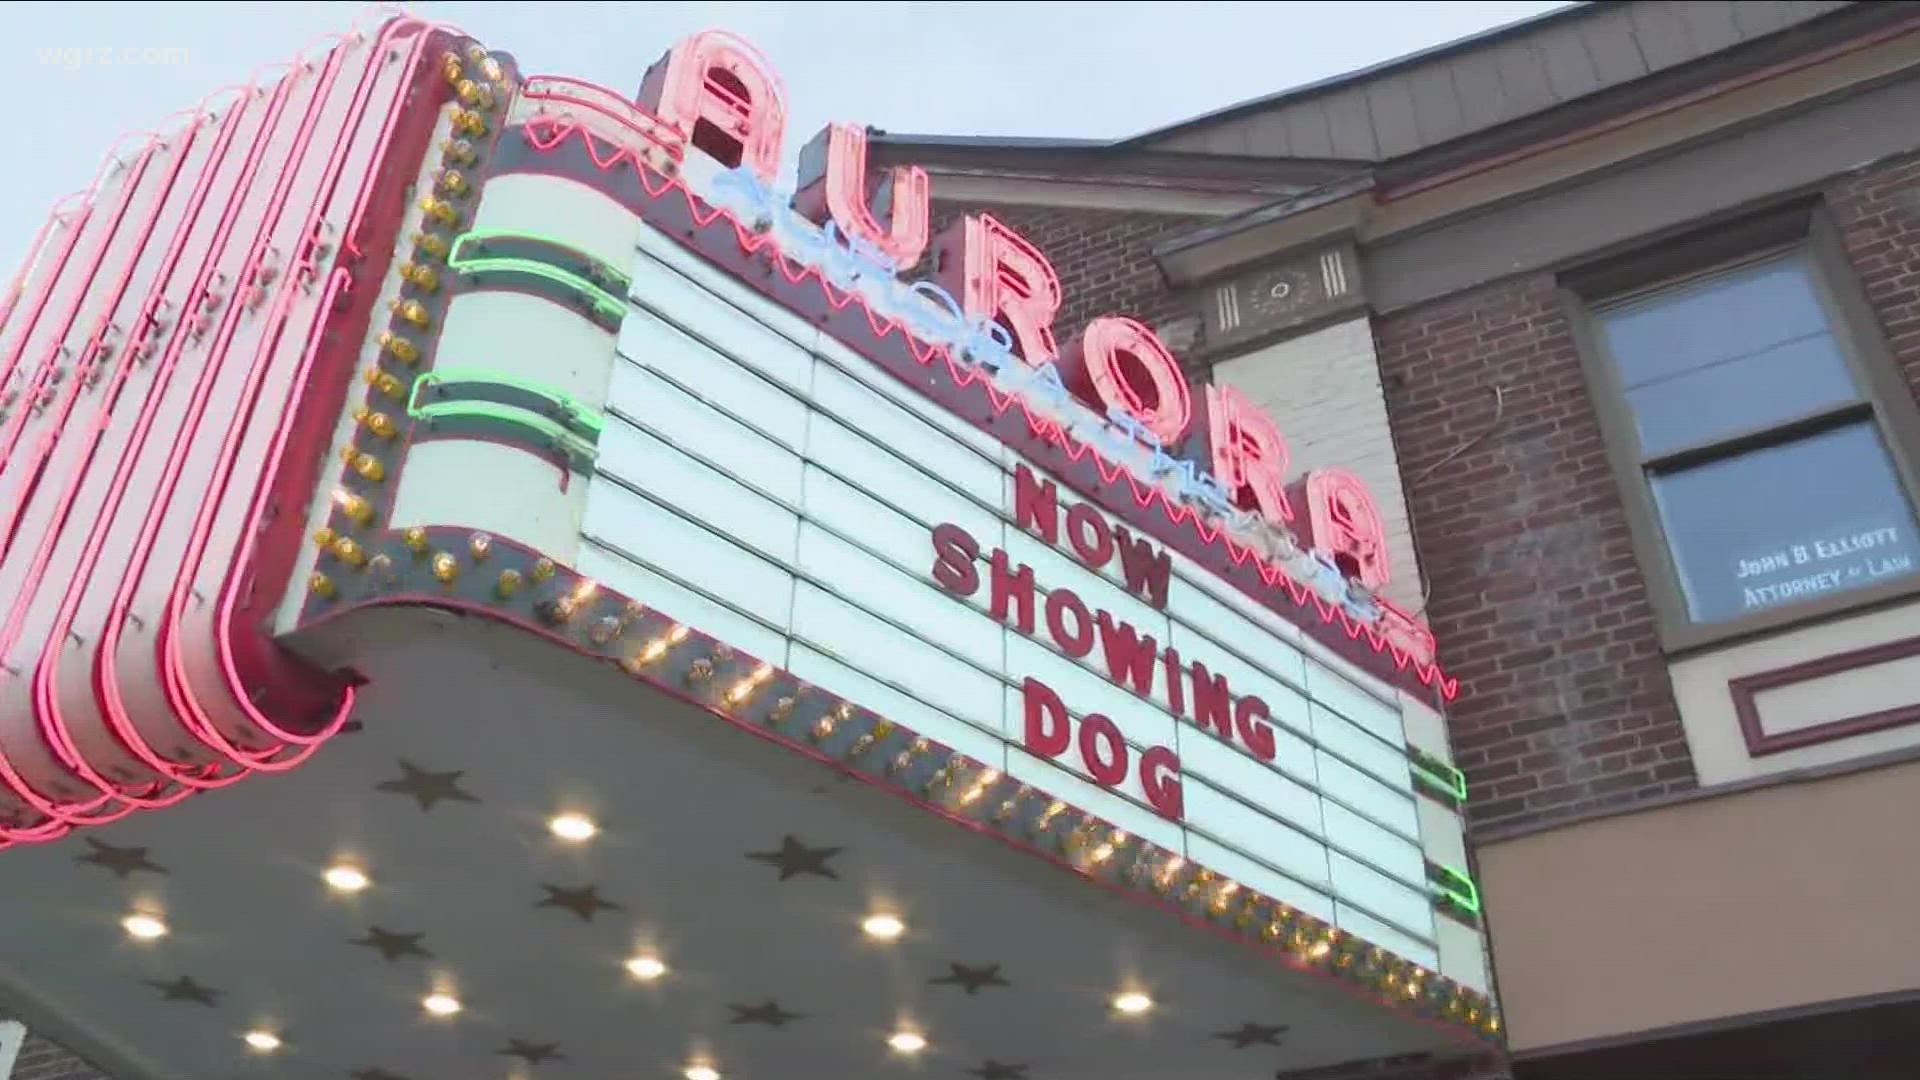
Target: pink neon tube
179, 689
45, 700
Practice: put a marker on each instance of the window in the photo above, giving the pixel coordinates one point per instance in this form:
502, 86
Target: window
1758, 444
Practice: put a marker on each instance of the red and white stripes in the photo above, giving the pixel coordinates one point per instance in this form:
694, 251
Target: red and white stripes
168, 344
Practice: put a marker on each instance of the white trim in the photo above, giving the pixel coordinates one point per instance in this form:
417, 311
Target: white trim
957, 187
12, 1035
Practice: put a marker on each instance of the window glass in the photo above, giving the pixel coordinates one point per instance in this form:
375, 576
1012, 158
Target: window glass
1731, 353
1791, 522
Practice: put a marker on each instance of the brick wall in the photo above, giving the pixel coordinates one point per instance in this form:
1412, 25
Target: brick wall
43, 1060
1105, 263
1538, 603
1537, 600
1878, 213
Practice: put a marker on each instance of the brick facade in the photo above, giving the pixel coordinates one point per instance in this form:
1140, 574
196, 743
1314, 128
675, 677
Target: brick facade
1538, 603
1105, 262
1878, 214
1537, 600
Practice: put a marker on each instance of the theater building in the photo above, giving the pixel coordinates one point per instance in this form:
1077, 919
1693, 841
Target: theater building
501, 582
1616, 312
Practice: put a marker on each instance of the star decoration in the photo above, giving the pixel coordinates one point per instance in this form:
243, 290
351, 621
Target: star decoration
971, 979
993, 1070
1254, 1035
584, 901
122, 861
533, 1053
770, 1014
426, 788
393, 946
375, 1074
185, 988
795, 858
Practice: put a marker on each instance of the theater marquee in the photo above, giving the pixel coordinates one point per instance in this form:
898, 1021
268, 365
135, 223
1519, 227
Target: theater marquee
782, 463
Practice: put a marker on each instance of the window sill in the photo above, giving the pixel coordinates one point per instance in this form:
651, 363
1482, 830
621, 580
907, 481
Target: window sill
1693, 639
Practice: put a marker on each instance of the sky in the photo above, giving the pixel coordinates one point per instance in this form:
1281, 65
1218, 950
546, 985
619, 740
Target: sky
83, 74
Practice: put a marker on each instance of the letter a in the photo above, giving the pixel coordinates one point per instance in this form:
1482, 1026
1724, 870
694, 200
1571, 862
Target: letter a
721, 93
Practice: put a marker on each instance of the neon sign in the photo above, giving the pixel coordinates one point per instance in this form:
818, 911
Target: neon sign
991, 300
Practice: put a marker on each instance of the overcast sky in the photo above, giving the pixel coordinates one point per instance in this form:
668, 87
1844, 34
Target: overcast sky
1087, 70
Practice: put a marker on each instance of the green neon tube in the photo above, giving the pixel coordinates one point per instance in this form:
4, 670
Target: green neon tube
577, 410
603, 301
569, 443
1438, 775
1457, 888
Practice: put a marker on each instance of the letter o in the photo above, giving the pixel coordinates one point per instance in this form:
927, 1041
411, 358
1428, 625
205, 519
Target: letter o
1088, 533
1110, 769
1120, 364
1078, 642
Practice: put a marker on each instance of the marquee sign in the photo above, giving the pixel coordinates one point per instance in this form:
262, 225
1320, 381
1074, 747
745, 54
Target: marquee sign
1003, 554
619, 392
991, 301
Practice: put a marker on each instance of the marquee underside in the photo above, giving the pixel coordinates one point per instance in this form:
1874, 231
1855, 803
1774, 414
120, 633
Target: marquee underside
684, 800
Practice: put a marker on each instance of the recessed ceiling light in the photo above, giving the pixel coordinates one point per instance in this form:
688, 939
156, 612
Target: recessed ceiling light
1133, 1002
907, 1041
883, 926
646, 967
702, 1072
573, 827
346, 878
266, 1042
440, 1003
143, 926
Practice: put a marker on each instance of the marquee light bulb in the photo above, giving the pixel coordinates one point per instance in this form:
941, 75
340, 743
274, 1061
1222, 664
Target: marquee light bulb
142, 926
646, 967
573, 827
702, 1072
262, 1041
907, 1041
883, 926
1133, 1003
346, 878
354, 506
440, 1003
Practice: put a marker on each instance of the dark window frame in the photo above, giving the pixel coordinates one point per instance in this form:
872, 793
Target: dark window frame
1883, 397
